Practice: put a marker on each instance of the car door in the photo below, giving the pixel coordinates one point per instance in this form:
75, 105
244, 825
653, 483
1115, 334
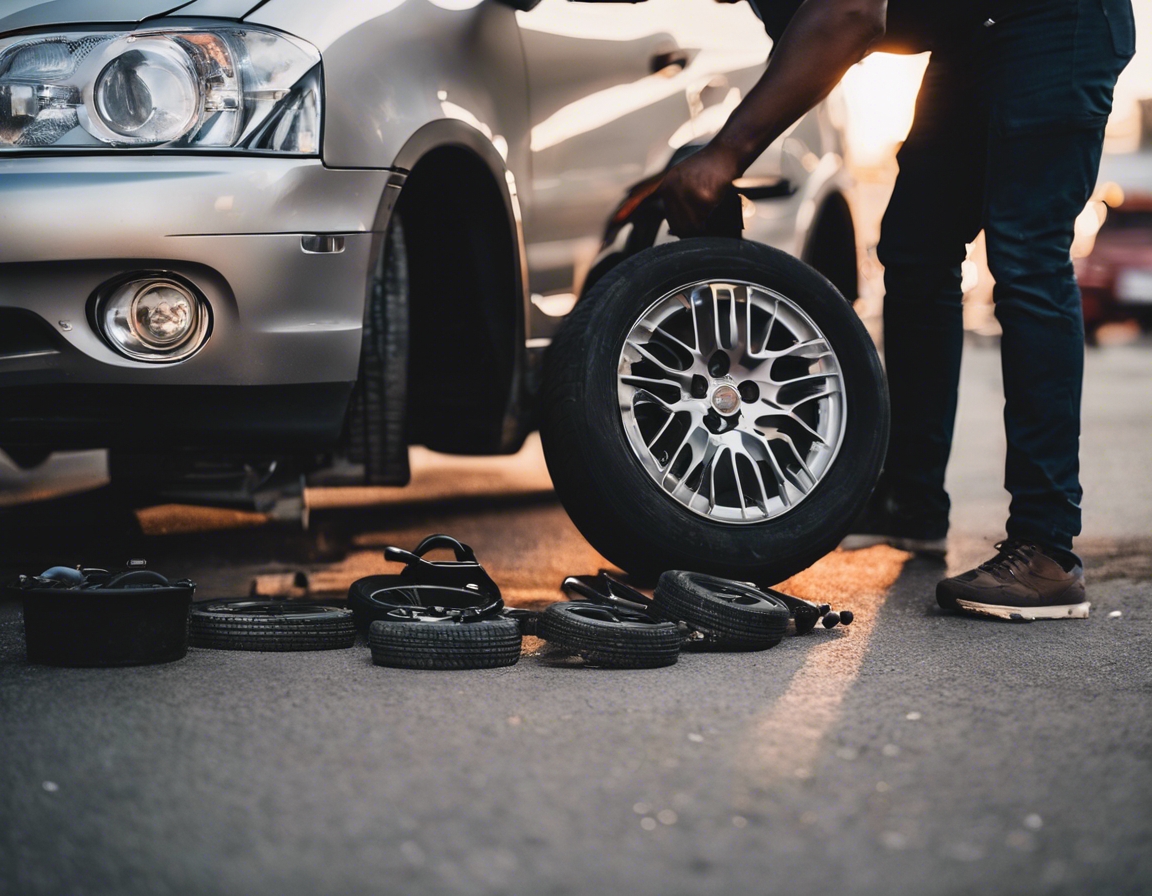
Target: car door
614, 90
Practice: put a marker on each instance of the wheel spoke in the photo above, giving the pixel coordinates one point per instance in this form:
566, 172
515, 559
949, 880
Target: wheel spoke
781, 481
683, 378
641, 381
664, 334
787, 440
704, 319
763, 502
769, 328
828, 393
746, 325
739, 485
712, 479
781, 412
810, 377
663, 429
733, 325
795, 350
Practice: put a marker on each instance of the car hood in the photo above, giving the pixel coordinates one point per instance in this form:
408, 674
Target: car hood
16, 15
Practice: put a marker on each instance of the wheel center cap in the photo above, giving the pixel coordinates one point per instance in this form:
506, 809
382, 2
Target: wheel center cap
725, 399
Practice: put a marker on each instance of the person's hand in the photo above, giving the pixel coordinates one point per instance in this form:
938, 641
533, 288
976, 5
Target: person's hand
692, 189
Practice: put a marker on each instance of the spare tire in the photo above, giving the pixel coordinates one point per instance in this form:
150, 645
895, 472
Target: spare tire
270, 626
610, 637
714, 404
729, 615
425, 639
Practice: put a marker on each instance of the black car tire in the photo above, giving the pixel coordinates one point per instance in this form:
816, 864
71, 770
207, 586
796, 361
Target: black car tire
445, 643
730, 615
376, 414
604, 637
270, 626
614, 502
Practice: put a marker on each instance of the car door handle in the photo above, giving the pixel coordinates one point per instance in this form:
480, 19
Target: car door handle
677, 59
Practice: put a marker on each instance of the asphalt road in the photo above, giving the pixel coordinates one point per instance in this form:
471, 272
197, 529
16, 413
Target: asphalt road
912, 753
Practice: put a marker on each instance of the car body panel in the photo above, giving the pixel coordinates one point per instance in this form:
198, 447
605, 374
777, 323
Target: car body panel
606, 114
18, 15
456, 61
232, 225
220, 9
560, 103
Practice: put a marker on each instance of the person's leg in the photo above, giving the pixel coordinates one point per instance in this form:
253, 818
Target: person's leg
1050, 70
933, 213
1050, 79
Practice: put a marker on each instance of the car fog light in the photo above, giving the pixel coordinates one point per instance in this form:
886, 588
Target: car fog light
154, 320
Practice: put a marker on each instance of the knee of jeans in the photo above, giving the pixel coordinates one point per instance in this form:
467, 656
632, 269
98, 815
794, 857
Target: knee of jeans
1019, 258
901, 246
922, 283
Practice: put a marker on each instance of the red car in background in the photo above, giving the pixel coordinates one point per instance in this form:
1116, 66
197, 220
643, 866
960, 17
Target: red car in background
1115, 271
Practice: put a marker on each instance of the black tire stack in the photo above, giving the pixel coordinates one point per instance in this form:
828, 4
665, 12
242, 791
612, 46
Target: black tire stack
445, 643
606, 637
270, 626
726, 615
688, 610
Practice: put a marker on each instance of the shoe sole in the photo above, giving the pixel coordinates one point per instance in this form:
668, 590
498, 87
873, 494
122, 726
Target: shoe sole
925, 547
1023, 614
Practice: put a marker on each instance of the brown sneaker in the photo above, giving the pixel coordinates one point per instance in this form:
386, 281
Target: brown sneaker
1020, 583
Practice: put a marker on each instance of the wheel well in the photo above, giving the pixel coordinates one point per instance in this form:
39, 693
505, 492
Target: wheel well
464, 313
831, 246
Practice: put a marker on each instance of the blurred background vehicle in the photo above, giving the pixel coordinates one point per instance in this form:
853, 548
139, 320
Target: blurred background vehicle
1113, 251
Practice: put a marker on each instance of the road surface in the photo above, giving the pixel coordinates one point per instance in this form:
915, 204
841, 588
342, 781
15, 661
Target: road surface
912, 753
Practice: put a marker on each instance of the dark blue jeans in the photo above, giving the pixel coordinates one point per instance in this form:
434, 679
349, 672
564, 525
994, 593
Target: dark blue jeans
1007, 138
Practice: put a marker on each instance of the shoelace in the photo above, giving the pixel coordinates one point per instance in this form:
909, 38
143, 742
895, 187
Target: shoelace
1010, 556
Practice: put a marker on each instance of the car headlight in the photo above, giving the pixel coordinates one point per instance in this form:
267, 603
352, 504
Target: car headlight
223, 87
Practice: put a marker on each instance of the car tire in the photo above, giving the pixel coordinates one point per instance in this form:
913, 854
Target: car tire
603, 637
600, 476
270, 626
730, 615
376, 416
445, 643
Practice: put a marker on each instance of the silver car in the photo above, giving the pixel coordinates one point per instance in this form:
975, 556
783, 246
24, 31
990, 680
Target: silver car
242, 236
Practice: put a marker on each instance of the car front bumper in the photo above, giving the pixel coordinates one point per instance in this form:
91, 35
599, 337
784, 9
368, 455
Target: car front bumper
286, 323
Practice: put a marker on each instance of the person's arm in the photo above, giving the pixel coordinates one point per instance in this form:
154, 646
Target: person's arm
823, 40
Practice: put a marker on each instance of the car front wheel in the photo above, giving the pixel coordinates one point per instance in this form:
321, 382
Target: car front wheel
714, 405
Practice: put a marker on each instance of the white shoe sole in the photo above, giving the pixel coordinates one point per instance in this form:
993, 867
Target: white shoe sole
937, 547
1025, 614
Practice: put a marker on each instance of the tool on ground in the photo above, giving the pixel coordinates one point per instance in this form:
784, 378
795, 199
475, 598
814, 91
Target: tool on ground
460, 588
806, 614
89, 616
